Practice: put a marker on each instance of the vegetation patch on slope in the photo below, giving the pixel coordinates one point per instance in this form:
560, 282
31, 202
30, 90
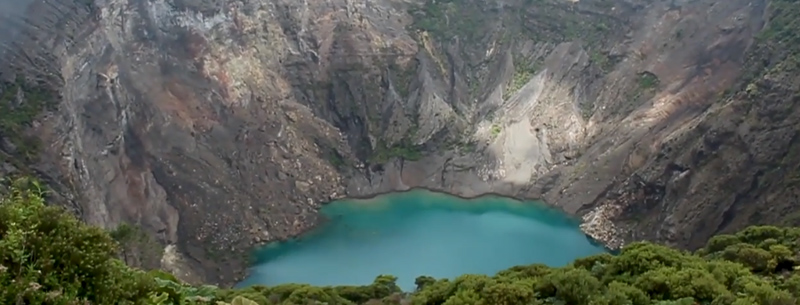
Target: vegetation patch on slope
523, 72
446, 19
21, 101
404, 150
49, 257
646, 85
514, 24
776, 52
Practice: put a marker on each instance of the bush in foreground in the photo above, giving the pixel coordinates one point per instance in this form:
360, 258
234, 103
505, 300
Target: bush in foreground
49, 257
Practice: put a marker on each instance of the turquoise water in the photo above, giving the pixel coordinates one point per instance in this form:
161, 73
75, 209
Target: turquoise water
419, 232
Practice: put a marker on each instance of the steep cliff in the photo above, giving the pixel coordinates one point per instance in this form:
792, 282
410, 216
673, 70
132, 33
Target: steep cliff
216, 125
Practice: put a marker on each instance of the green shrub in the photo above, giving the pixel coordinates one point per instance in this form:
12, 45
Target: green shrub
49, 257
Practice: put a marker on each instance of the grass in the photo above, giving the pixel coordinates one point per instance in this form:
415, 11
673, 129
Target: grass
335, 158
523, 72
648, 81
462, 144
645, 82
404, 150
496, 130
601, 60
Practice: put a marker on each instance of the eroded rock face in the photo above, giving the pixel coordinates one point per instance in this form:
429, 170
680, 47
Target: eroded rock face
187, 122
219, 125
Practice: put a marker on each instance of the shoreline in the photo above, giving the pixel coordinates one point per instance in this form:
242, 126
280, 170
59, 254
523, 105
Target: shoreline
590, 224
588, 228
609, 244
544, 203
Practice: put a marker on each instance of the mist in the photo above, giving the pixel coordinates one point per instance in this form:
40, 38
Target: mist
11, 10
13, 6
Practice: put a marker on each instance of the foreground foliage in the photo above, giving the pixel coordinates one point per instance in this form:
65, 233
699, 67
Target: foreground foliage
49, 257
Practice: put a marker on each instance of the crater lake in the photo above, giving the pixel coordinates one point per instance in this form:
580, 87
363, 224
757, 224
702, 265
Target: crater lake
420, 232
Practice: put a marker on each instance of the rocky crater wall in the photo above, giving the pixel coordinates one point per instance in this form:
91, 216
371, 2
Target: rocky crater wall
216, 126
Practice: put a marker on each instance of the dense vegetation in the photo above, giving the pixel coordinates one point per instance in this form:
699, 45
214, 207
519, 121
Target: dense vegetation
49, 257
